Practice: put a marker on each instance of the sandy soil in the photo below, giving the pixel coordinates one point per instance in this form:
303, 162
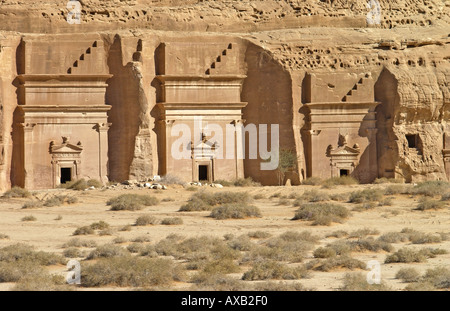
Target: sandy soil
49, 234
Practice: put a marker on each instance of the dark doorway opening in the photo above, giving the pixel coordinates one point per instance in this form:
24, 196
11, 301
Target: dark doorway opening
412, 141
202, 172
344, 173
66, 174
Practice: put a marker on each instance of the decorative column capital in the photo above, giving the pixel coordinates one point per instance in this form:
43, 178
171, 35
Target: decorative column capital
102, 127
28, 127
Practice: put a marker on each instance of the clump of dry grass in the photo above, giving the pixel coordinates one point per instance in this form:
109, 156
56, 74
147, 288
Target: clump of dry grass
339, 181
273, 286
384, 180
414, 236
29, 218
146, 220
84, 230
3, 236
312, 181
33, 204
420, 286
101, 225
17, 192
172, 221
76, 242
59, 200
108, 251
131, 202
439, 277
311, 196
322, 213
259, 234
361, 233
274, 270
290, 246
130, 271
217, 282
41, 281
431, 188
358, 282
324, 252
235, 211
408, 275
206, 201
406, 255
336, 262
337, 234
72, 252
366, 195
427, 204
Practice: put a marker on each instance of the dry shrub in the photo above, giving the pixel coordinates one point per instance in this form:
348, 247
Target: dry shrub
221, 266
274, 270
406, 255
445, 197
420, 287
311, 196
17, 192
431, 188
366, 195
29, 218
84, 230
259, 196
241, 243
384, 180
217, 282
394, 237
235, 211
130, 271
72, 252
426, 204
322, 213
259, 235
398, 189
41, 282
273, 286
20, 260
32, 204
135, 248
131, 202
340, 197
439, 277
408, 275
59, 200
206, 201
146, 220
76, 242
358, 282
173, 221
101, 225
108, 251
141, 239
3, 236
94, 183
79, 185
290, 246
170, 179
337, 234
312, 181
338, 181
324, 252
361, 233
337, 262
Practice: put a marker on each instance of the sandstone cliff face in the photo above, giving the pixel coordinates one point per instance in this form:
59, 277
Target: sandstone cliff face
407, 56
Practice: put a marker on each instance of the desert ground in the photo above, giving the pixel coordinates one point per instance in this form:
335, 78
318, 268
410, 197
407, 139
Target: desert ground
52, 227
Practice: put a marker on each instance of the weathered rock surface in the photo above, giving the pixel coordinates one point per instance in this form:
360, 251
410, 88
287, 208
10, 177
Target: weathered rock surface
407, 58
